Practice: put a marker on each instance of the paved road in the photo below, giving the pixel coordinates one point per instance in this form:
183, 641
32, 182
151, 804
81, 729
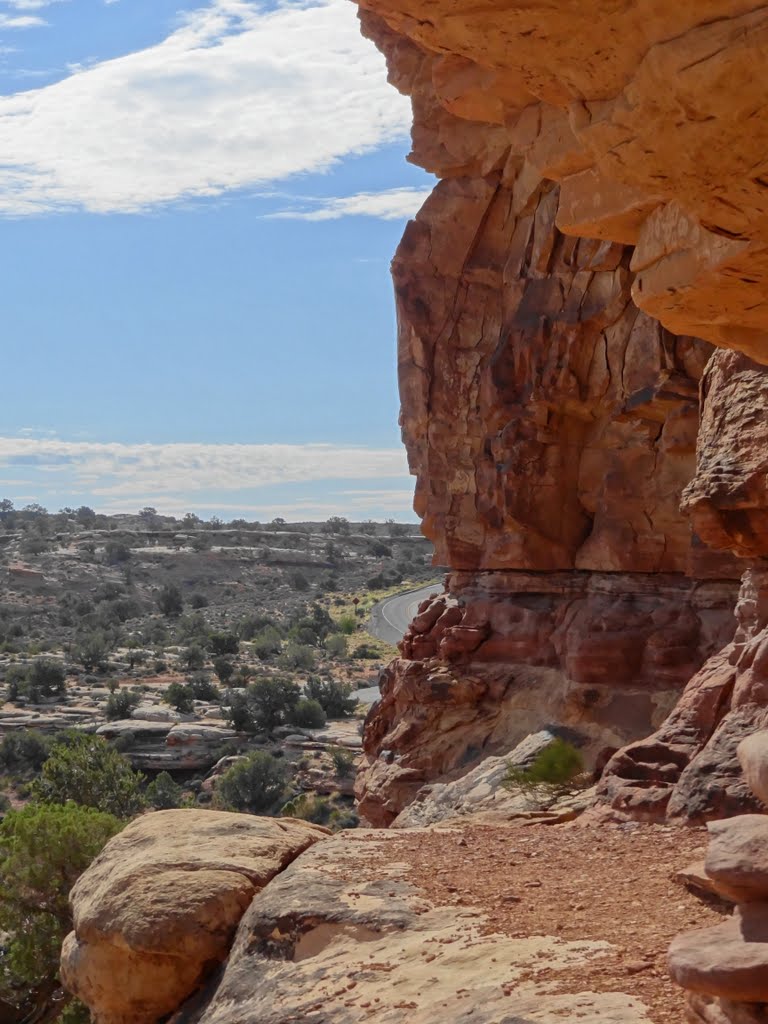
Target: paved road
391, 617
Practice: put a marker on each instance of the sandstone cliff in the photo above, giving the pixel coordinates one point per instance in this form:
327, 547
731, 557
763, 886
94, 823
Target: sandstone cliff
597, 227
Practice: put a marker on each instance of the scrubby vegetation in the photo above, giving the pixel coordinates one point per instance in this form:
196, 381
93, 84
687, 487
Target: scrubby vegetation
131, 624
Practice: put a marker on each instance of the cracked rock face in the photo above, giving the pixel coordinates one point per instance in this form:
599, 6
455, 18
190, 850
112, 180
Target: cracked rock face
598, 225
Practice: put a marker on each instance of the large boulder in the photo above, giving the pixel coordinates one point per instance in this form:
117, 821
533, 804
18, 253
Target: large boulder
157, 910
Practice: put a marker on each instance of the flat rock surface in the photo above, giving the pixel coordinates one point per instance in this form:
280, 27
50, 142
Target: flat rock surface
737, 857
470, 924
729, 960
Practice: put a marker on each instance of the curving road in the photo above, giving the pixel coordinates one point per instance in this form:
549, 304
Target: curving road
391, 617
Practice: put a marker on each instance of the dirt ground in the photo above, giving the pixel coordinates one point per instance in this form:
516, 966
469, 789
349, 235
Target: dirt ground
608, 881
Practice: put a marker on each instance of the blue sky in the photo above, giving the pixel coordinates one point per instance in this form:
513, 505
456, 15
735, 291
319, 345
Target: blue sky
199, 202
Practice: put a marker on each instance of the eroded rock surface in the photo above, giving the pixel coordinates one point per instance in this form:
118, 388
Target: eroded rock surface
602, 208
342, 935
506, 654
156, 912
690, 766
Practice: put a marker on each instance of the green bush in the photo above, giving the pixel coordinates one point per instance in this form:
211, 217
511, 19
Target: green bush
120, 704
47, 677
223, 643
43, 851
272, 699
169, 601
267, 643
343, 762
180, 698
224, 669
163, 793
92, 650
23, 753
253, 785
86, 770
335, 700
366, 652
347, 623
308, 714
297, 656
555, 766
193, 658
202, 687
239, 714
336, 645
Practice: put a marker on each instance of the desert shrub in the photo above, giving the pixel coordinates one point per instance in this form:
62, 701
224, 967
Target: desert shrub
347, 623
163, 793
239, 714
120, 704
115, 553
336, 700
169, 600
308, 714
366, 652
47, 677
321, 810
118, 611
180, 697
86, 770
253, 785
308, 807
198, 601
297, 656
224, 669
92, 650
554, 767
43, 851
336, 645
202, 687
15, 682
193, 657
192, 629
298, 581
343, 762
267, 643
223, 643
252, 625
272, 700
23, 753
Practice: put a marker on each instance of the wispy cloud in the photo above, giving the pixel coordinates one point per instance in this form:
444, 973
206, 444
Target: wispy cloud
21, 21
117, 470
237, 96
30, 5
389, 204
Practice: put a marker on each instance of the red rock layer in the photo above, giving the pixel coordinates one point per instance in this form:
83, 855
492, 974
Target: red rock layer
550, 421
504, 654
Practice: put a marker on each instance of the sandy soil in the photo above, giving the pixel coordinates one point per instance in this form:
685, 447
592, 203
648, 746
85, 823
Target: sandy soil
610, 882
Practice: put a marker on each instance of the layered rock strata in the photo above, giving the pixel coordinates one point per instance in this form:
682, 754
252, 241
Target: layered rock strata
503, 654
599, 191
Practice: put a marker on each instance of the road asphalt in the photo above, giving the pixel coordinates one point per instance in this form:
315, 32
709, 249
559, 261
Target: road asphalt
391, 617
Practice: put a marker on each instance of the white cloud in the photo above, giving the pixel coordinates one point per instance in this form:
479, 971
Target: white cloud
122, 470
390, 204
236, 96
21, 21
